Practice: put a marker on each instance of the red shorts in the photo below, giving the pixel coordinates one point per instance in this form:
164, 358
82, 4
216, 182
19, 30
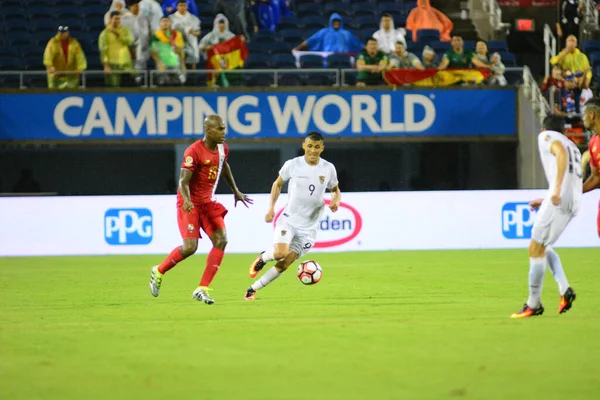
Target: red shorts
208, 216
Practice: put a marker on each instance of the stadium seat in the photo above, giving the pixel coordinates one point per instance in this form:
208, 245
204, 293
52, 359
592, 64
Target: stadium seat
440, 47
257, 47
590, 46
256, 61
428, 35
10, 63
314, 21
265, 36
367, 33
293, 36
261, 80
280, 48
338, 61
287, 79
469, 44
205, 9
283, 61
365, 21
318, 79
336, 7
415, 47
514, 77
399, 21
594, 58
308, 9
364, 8
388, 7
288, 23
408, 36
311, 61
497, 45
508, 59
14, 4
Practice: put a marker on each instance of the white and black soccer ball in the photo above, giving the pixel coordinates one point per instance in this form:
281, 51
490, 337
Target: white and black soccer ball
309, 272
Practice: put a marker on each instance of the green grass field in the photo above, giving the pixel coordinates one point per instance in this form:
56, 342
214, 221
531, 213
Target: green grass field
389, 325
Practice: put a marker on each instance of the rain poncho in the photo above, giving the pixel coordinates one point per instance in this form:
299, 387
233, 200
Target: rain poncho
216, 36
387, 40
152, 10
113, 7
173, 5
332, 40
186, 24
426, 17
139, 25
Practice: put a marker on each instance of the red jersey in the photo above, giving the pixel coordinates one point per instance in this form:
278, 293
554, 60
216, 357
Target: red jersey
206, 167
594, 147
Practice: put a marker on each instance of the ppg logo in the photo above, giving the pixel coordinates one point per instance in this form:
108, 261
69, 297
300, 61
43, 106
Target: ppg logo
517, 220
128, 226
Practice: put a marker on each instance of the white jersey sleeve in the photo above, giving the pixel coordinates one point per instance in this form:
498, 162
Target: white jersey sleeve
333, 179
286, 171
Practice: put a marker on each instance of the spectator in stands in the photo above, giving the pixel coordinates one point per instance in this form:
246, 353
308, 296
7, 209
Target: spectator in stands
220, 33
428, 58
423, 16
371, 62
114, 42
171, 6
334, 39
572, 59
139, 25
570, 97
570, 14
481, 52
239, 14
498, 69
458, 57
555, 79
189, 26
264, 15
585, 93
404, 59
153, 11
116, 5
167, 52
64, 54
388, 35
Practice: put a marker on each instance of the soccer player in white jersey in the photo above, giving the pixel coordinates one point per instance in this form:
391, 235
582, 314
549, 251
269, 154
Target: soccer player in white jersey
296, 229
562, 164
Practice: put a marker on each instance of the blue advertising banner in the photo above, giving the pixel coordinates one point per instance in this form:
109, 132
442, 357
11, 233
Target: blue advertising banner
258, 115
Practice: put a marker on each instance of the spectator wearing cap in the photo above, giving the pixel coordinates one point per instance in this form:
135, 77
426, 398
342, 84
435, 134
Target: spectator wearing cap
139, 25
572, 59
570, 97
64, 60
404, 59
171, 6
334, 39
428, 58
189, 25
167, 52
388, 35
114, 42
220, 33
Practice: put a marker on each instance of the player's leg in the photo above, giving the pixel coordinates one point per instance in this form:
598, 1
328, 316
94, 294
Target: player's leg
189, 228
282, 237
271, 274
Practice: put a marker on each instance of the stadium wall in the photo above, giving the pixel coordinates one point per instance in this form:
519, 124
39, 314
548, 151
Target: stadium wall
366, 221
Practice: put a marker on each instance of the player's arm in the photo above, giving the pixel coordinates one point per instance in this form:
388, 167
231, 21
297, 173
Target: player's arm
336, 197
560, 153
185, 175
239, 196
275, 192
593, 181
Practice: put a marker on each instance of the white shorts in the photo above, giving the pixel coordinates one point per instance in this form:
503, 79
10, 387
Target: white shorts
300, 241
550, 223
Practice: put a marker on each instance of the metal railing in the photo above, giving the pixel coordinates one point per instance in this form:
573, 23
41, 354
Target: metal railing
533, 92
494, 12
550, 46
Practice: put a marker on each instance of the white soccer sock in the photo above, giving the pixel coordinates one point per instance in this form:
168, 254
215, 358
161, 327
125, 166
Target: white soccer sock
537, 268
268, 255
267, 278
555, 266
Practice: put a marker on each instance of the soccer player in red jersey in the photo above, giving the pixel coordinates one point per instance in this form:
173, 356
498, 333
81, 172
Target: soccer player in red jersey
591, 120
203, 163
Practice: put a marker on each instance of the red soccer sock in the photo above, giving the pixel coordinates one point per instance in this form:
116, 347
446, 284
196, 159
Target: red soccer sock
213, 261
172, 260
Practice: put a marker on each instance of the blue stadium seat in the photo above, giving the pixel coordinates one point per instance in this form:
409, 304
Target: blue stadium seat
319, 79
10, 63
288, 79
11, 4
367, 33
288, 23
66, 4
497, 45
415, 47
257, 47
594, 58
508, 59
44, 9
389, 7
280, 48
338, 61
590, 46
409, 36
308, 9
29, 50
514, 77
428, 35
291, 36
205, 9
265, 36
314, 21
283, 61
262, 80
363, 8
336, 7
311, 61
399, 21
440, 47
469, 44
365, 21
256, 61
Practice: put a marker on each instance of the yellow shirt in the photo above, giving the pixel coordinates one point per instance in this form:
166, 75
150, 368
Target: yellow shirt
54, 56
115, 49
576, 61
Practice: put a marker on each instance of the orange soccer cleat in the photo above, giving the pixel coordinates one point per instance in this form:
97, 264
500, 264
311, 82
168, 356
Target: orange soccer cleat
527, 312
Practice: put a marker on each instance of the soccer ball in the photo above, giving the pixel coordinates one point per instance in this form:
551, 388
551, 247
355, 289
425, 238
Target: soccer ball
309, 272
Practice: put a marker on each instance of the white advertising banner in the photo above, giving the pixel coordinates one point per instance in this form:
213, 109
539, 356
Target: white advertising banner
31, 226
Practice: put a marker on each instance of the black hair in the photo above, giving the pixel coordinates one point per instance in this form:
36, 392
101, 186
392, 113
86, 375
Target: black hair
316, 136
113, 13
371, 39
182, 1
554, 123
387, 15
593, 102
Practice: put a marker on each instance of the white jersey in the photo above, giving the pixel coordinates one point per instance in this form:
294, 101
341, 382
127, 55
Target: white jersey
571, 190
307, 185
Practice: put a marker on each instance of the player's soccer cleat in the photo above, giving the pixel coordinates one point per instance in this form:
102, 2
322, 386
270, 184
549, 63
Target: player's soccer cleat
256, 266
566, 301
527, 312
250, 294
155, 281
201, 295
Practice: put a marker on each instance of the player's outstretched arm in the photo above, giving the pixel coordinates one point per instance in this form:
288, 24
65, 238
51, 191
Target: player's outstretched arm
336, 197
185, 175
239, 196
593, 181
275, 192
560, 152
